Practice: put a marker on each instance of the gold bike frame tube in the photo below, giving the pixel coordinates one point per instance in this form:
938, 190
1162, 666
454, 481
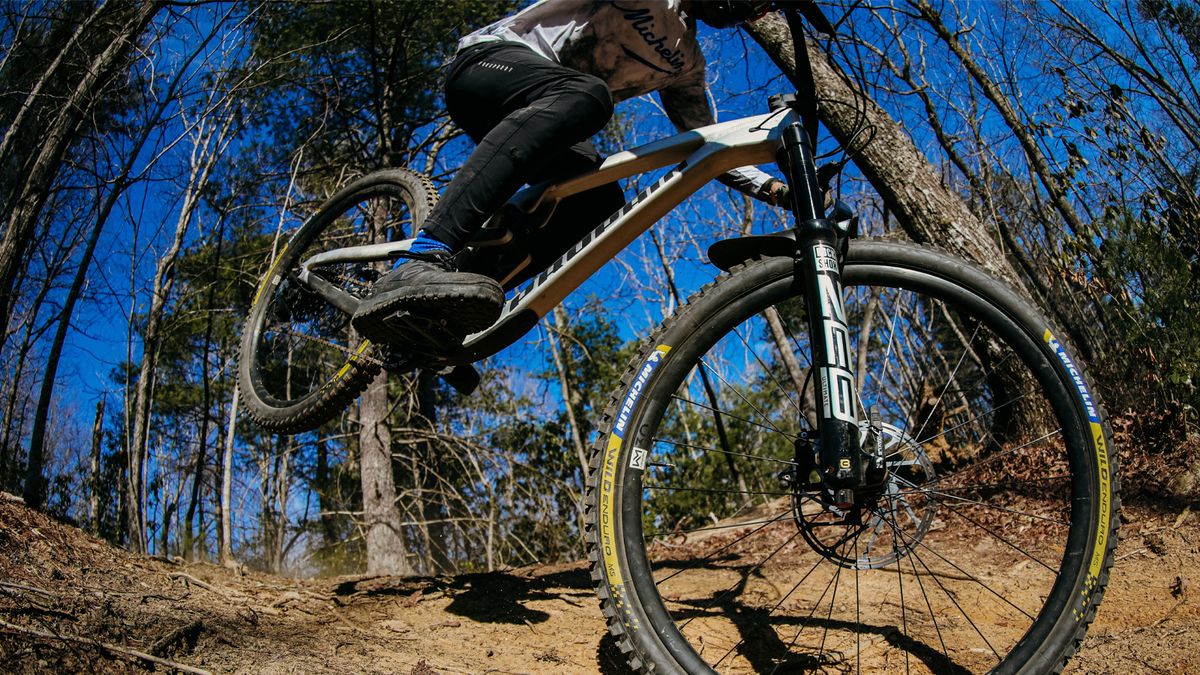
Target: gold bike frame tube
702, 155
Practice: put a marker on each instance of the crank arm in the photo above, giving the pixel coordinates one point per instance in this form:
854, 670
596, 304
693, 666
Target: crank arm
345, 302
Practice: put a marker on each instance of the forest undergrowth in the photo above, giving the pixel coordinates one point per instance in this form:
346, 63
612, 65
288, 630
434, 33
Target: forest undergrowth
72, 603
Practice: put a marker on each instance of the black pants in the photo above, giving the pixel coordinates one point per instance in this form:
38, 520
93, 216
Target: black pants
531, 119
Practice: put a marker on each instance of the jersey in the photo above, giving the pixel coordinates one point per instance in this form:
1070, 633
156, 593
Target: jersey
635, 46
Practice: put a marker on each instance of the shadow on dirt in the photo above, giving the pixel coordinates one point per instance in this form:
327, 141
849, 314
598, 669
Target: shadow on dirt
499, 598
493, 597
610, 658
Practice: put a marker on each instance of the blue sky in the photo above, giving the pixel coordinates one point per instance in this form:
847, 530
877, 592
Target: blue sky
740, 77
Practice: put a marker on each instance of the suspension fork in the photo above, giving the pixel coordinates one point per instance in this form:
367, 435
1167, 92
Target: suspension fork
818, 265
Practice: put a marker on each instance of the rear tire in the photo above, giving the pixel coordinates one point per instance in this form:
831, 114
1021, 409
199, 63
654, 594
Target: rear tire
988, 548
301, 362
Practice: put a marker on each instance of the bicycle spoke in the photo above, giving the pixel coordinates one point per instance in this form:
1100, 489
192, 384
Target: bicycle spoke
945, 432
710, 528
965, 573
899, 577
1002, 486
837, 577
777, 605
954, 600
705, 448
941, 396
816, 605
724, 548
767, 370
992, 458
932, 614
731, 416
996, 535
857, 615
721, 596
742, 396
716, 491
916, 488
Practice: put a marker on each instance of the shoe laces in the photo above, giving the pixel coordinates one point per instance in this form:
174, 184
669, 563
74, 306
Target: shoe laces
439, 258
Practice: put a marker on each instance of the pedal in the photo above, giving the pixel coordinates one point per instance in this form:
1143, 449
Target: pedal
464, 379
420, 336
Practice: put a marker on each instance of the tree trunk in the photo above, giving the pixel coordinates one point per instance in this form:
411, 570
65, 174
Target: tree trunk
140, 408
325, 502
209, 143
797, 373
202, 436
25, 210
10, 437
94, 473
910, 187
1037, 160
16, 398
282, 479
16, 128
386, 549
560, 364
1049, 178
432, 475
35, 483
726, 449
226, 523
381, 520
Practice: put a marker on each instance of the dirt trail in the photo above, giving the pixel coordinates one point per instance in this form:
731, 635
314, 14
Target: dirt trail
56, 580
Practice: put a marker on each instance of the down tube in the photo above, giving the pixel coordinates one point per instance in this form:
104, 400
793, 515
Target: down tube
732, 144
528, 305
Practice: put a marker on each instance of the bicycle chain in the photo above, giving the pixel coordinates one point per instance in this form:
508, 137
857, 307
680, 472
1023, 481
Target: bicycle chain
347, 350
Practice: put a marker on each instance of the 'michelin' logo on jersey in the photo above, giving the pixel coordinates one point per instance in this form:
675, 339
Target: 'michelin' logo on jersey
642, 22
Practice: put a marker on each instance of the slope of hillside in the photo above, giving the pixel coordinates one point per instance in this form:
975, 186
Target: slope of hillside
72, 603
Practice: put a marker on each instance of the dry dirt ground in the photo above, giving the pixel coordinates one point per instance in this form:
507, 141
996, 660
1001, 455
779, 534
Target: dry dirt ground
72, 603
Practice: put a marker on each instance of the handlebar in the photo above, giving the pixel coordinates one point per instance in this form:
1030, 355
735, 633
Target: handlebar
809, 10
796, 11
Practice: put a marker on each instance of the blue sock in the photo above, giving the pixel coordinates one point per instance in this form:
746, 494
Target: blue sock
423, 243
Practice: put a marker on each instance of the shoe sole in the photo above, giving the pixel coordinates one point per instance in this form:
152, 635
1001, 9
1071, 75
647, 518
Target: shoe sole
456, 311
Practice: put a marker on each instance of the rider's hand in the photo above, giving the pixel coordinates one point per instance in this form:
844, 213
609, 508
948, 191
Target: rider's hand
775, 192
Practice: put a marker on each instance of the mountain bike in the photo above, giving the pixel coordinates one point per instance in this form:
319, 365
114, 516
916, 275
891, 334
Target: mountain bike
841, 454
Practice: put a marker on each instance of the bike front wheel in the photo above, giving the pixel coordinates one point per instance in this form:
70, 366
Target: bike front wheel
985, 546
301, 361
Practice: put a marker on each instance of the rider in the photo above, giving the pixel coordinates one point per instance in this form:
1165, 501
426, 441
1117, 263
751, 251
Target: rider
530, 90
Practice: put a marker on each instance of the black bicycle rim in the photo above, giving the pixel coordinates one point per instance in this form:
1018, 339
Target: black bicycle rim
768, 582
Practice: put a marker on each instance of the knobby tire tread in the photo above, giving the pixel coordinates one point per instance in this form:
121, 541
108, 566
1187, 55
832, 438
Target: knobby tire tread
1114, 452
336, 394
960, 270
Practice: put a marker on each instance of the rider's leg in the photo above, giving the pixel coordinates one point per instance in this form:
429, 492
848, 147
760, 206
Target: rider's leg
573, 217
523, 110
542, 108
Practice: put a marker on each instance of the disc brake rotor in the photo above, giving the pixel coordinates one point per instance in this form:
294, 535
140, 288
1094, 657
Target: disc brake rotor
882, 527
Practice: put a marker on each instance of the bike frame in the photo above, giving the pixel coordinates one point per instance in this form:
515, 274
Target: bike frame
699, 156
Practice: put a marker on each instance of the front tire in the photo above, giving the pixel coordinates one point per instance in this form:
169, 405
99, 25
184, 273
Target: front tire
988, 548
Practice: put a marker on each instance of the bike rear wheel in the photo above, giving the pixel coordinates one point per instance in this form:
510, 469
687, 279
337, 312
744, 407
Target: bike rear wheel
301, 362
986, 547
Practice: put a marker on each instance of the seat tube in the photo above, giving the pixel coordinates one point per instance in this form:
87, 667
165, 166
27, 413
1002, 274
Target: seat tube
818, 266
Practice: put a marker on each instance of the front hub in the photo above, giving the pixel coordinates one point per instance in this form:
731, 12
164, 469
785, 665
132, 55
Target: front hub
880, 521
